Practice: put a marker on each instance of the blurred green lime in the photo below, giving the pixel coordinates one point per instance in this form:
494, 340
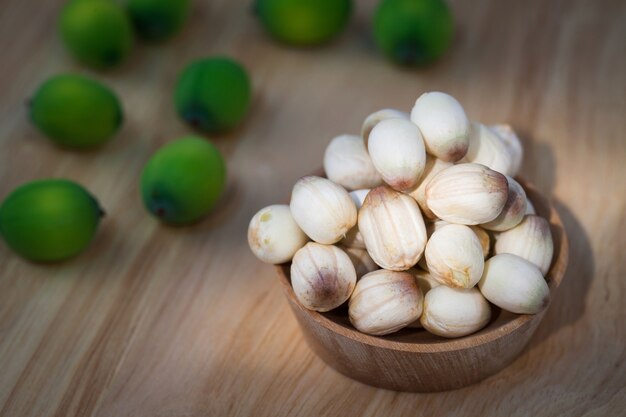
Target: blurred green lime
157, 20
183, 180
49, 220
76, 111
213, 94
413, 32
97, 32
303, 22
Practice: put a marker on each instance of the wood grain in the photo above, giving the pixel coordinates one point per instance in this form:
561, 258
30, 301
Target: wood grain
158, 321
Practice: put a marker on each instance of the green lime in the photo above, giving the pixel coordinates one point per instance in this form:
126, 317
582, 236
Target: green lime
49, 220
303, 22
413, 32
213, 94
183, 180
157, 20
97, 32
76, 111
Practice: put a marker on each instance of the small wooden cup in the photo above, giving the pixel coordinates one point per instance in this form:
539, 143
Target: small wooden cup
415, 360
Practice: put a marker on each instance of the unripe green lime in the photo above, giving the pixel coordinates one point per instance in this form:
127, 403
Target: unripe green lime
183, 180
303, 22
213, 94
49, 220
76, 111
413, 32
157, 20
97, 32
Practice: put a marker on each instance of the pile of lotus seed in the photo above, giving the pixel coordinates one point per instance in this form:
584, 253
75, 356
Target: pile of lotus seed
419, 223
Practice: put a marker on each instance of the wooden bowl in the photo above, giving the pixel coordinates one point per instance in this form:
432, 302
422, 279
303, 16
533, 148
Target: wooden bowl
415, 360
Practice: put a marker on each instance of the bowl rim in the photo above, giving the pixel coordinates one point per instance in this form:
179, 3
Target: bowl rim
555, 274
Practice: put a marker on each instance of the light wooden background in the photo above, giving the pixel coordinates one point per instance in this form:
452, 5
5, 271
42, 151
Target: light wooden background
158, 321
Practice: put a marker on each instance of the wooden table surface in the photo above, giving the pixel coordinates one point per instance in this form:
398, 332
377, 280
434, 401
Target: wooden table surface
184, 322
